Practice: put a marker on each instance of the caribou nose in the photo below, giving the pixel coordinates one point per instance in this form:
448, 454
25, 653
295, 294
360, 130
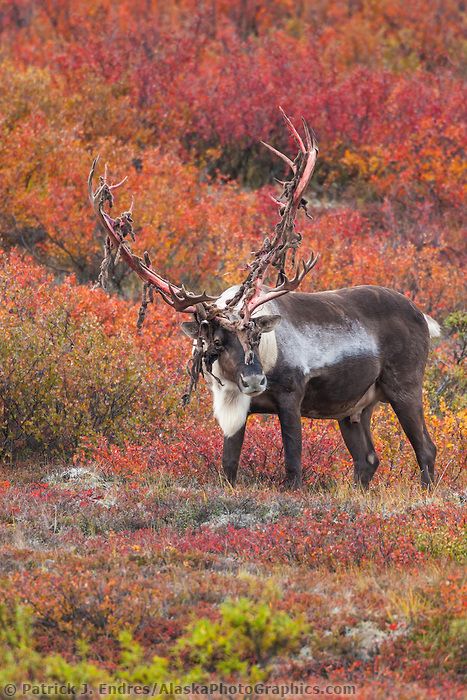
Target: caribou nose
253, 383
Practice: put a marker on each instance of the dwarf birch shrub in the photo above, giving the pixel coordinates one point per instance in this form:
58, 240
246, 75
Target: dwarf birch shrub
63, 375
61, 379
245, 639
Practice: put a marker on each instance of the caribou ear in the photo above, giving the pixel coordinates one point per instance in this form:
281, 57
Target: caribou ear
190, 328
266, 324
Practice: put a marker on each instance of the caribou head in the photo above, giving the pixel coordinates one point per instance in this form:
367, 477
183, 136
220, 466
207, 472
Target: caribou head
227, 331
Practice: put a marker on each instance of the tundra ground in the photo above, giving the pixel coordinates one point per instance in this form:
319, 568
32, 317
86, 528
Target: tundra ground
325, 587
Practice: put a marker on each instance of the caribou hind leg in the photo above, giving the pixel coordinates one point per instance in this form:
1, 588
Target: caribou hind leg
357, 437
409, 411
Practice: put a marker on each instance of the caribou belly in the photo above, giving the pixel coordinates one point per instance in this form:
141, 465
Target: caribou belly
343, 390
337, 407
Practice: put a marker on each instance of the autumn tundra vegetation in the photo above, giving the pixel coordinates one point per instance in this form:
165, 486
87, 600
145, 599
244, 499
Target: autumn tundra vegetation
126, 555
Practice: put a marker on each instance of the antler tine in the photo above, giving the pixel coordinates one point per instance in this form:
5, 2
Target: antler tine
119, 184
309, 264
275, 200
112, 187
309, 142
310, 136
293, 131
302, 269
281, 155
181, 298
91, 178
288, 285
291, 284
305, 177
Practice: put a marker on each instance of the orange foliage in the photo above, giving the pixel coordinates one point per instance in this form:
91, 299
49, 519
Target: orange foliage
177, 95
181, 111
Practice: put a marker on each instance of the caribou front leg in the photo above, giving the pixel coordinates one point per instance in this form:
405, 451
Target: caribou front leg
291, 429
231, 454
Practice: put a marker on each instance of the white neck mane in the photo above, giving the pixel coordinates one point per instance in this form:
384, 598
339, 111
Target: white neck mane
229, 404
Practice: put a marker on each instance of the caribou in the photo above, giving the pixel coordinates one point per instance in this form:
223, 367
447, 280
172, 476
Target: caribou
273, 350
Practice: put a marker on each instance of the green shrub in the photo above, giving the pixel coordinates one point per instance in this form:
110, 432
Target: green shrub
247, 636
243, 641
442, 543
61, 379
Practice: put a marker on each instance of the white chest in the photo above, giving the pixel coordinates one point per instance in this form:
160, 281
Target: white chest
230, 406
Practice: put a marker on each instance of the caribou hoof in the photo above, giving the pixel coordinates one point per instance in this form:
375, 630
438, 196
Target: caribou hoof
360, 485
292, 483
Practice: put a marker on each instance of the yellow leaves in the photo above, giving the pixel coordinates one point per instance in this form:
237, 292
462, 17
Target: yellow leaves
369, 162
23, 91
457, 167
356, 161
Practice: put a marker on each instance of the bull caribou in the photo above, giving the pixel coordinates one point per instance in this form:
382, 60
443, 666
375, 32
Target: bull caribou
273, 350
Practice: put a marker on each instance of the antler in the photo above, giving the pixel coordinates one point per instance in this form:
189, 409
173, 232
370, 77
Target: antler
288, 285
274, 253
118, 229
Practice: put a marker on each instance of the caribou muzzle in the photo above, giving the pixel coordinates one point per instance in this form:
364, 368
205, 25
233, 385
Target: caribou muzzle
253, 384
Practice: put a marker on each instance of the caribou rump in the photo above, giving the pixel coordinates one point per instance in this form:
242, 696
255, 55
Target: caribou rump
332, 354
